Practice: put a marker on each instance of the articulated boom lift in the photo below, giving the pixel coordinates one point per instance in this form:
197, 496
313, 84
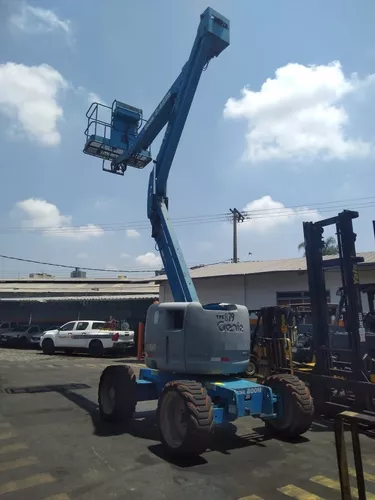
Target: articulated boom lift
194, 353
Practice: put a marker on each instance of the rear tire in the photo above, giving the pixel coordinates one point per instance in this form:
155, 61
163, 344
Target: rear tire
117, 394
48, 346
296, 406
185, 418
96, 348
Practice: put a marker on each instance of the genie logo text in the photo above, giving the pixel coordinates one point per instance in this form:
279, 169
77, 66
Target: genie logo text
227, 323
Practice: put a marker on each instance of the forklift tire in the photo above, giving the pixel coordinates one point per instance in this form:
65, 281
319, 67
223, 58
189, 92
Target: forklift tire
297, 407
117, 395
253, 367
185, 418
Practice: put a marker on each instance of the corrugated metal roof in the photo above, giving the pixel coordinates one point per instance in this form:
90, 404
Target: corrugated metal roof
79, 289
261, 266
79, 298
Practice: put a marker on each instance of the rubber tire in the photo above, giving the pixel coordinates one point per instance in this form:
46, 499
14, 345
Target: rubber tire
48, 346
96, 348
254, 363
199, 410
124, 383
23, 343
297, 406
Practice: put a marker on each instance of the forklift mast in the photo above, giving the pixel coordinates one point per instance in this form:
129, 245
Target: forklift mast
348, 265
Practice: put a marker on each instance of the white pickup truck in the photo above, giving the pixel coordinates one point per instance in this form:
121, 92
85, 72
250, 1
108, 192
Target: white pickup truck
86, 335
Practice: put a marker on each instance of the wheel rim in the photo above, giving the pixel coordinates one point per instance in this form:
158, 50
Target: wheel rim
107, 397
251, 369
173, 419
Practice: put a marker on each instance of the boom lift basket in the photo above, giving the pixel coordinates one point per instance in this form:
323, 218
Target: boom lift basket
111, 132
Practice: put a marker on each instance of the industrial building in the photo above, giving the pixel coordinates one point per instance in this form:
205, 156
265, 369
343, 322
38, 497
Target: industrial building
50, 301
265, 283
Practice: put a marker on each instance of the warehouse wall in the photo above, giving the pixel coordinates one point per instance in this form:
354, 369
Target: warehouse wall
259, 290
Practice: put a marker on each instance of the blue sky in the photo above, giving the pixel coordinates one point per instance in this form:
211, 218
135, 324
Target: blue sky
301, 135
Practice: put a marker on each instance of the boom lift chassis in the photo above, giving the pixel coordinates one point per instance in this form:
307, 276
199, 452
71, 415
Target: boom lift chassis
192, 395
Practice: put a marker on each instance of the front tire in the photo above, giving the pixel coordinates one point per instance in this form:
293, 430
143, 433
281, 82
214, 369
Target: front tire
185, 418
117, 394
48, 346
296, 406
23, 343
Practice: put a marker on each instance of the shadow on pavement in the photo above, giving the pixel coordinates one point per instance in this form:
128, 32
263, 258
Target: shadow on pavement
322, 424
61, 388
144, 426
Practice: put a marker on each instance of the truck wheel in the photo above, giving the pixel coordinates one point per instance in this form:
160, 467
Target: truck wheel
185, 417
48, 346
117, 394
23, 342
296, 406
96, 348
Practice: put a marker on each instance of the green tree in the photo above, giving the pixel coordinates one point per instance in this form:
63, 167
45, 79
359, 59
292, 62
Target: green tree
330, 246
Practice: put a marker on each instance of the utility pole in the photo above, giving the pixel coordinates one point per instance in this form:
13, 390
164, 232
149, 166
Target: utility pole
237, 217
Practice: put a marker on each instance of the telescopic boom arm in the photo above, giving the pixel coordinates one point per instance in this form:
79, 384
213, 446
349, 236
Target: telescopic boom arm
130, 146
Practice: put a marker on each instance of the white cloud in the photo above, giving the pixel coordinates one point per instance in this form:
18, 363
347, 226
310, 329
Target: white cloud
265, 214
132, 233
39, 214
82, 255
28, 95
150, 260
298, 114
92, 97
36, 20
124, 255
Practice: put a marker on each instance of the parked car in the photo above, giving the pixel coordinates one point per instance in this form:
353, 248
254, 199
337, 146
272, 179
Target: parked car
96, 337
35, 337
6, 326
20, 336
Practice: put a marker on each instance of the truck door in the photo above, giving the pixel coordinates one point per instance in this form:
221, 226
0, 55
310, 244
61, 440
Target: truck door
64, 335
80, 335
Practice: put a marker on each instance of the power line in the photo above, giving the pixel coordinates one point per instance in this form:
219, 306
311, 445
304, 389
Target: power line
65, 266
294, 210
287, 212
19, 259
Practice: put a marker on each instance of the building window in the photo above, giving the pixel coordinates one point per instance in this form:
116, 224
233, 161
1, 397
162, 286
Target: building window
293, 298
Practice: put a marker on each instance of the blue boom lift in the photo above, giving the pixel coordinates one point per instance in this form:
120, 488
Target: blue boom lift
195, 353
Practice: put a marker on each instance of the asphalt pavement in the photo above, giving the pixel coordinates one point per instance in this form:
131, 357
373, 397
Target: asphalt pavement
54, 446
